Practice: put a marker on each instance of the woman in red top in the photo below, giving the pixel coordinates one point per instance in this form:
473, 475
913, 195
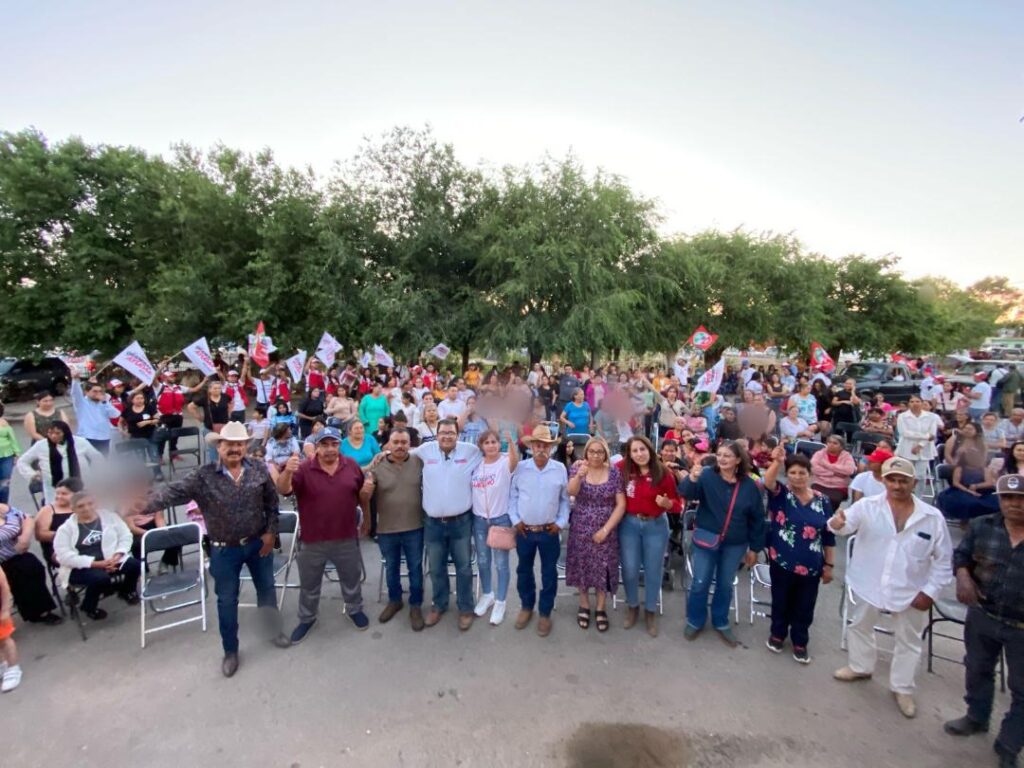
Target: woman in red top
643, 534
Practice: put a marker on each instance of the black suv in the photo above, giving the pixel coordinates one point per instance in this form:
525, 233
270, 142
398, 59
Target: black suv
895, 380
23, 378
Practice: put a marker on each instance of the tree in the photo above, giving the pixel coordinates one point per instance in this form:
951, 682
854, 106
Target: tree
1008, 298
959, 319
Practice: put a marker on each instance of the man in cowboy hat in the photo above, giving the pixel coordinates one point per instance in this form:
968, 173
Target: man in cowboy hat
538, 507
239, 503
989, 566
900, 565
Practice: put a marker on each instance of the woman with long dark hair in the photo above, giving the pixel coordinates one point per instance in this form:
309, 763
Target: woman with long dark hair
730, 530
643, 534
60, 455
971, 492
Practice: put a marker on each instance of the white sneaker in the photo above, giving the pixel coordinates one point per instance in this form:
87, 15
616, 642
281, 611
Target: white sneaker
498, 614
11, 679
485, 602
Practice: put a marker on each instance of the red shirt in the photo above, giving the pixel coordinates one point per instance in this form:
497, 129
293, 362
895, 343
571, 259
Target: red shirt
171, 400
327, 503
641, 494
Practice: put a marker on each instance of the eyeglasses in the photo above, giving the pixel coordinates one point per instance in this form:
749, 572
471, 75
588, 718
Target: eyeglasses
595, 452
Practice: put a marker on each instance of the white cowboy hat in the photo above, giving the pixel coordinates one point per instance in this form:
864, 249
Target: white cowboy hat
541, 434
233, 431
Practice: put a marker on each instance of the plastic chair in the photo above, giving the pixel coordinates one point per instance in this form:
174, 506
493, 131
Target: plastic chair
284, 556
177, 582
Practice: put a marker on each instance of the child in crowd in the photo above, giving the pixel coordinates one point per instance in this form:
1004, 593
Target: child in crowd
8, 650
259, 426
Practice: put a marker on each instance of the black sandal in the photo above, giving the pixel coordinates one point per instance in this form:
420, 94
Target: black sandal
602, 621
583, 618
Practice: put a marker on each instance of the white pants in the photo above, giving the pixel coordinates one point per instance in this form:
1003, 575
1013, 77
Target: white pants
908, 626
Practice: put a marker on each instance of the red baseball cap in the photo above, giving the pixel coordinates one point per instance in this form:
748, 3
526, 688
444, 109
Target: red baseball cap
879, 455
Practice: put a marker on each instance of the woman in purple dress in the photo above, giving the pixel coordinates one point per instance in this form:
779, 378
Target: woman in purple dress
592, 559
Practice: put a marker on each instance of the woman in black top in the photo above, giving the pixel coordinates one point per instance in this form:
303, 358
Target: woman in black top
547, 396
311, 409
213, 409
139, 421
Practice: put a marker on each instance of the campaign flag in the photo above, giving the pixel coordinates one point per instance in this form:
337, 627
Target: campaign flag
295, 364
259, 346
327, 349
364, 360
820, 358
133, 359
711, 379
701, 339
381, 357
348, 378
198, 352
440, 351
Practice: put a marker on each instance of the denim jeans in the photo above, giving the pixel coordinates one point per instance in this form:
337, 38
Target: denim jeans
484, 556
642, 542
393, 546
98, 582
713, 566
226, 567
527, 547
450, 537
985, 638
6, 470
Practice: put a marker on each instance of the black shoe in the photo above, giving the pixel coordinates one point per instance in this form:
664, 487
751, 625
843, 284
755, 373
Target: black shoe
360, 620
132, 598
300, 631
51, 619
230, 664
96, 615
1006, 759
774, 645
964, 726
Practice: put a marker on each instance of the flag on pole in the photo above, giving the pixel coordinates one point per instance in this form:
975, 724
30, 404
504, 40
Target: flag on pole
295, 364
702, 339
327, 349
711, 379
133, 359
820, 358
364, 360
259, 346
381, 357
198, 353
440, 351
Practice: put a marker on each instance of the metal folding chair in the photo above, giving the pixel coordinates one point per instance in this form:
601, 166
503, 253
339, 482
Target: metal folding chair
947, 609
197, 450
760, 582
284, 556
155, 590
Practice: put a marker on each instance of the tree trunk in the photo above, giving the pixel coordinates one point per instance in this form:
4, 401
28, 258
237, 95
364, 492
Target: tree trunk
593, 358
465, 357
535, 356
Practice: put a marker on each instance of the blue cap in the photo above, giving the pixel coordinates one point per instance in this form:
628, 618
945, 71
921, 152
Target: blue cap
327, 433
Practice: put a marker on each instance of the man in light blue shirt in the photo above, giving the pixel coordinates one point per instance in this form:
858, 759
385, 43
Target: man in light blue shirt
448, 530
538, 507
93, 413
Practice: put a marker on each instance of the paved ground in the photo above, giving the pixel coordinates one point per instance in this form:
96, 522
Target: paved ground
489, 697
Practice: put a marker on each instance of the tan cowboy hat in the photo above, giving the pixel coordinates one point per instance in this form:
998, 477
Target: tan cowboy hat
541, 434
233, 431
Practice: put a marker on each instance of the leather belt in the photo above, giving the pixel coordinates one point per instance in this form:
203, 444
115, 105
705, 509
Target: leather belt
237, 543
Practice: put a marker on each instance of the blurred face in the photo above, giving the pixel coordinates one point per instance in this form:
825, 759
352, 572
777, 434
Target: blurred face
988, 420
798, 477
794, 413
491, 446
399, 445
447, 436
231, 452
357, 430
639, 454
430, 413
85, 508
328, 450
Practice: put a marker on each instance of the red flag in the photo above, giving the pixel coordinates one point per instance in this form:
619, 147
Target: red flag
702, 339
820, 358
258, 352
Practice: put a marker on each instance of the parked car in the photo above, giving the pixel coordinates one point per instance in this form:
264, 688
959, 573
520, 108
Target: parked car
965, 373
23, 377
895, 380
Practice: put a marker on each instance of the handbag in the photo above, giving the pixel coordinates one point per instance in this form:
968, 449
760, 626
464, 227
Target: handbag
498, 536
704, 538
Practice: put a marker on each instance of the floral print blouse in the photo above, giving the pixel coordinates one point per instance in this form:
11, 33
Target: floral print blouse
797, 533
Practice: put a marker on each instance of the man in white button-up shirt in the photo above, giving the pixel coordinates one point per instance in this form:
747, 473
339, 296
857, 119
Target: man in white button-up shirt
901, 562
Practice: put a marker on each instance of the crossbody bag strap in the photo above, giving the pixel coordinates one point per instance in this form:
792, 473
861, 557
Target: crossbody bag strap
732, 505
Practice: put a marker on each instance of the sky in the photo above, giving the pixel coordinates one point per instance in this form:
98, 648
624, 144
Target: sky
883, 128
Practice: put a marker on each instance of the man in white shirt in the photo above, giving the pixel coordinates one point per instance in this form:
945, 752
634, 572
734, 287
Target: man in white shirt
930, 389
453, 406
980, 396
901, 562
448, 467
1013, 427
869, 482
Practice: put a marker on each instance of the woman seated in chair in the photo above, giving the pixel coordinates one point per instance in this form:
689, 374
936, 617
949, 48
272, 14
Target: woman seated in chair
970, 494
93, 547
833, 470
52, 516
133, 512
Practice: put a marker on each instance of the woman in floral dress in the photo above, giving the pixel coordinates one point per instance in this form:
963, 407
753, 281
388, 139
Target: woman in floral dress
592, 557
801, 550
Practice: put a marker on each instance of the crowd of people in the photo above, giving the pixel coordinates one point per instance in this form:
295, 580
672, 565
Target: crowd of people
618, 465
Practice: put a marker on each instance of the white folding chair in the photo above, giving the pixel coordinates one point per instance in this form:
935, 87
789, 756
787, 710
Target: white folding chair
760, 582
155, 590
287, 526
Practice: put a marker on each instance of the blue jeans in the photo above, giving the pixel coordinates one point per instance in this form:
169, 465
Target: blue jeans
718, 567
484, 556
527, 547
392, 547
642, 542
450, 537
225, 567
6, 470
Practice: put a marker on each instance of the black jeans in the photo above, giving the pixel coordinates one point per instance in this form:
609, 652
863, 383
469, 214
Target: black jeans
98, 582
793, 599
985, 638
171, 421
27, 577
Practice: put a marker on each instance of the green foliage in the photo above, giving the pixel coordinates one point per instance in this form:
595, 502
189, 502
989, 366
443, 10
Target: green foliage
407, 247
